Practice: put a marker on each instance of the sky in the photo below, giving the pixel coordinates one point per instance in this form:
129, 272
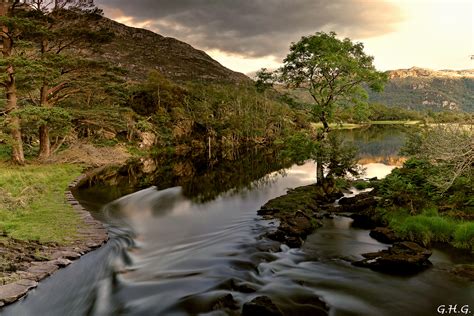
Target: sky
246, 35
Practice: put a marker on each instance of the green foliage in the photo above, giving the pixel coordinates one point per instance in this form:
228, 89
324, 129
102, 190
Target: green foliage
339, 157
229, 114
157, 93
5, 151
408, 186
362, 185
264, 80
332, 70
33, 117
464, 236
380, 112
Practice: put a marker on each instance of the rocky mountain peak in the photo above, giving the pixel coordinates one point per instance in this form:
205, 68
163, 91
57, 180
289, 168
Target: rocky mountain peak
416, 72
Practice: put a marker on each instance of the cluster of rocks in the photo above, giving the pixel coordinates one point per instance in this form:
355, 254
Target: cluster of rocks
300, 212
261, 305
90, 236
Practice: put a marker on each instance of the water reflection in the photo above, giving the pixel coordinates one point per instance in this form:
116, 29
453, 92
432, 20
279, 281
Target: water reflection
378, 143
198, 178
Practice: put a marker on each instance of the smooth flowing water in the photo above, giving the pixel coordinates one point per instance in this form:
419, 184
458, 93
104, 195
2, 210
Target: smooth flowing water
179, 246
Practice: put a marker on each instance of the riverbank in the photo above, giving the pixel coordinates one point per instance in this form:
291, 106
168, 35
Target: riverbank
43, 227
301, 210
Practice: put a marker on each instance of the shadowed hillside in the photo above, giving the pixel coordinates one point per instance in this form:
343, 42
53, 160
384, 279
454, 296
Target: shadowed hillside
140, 51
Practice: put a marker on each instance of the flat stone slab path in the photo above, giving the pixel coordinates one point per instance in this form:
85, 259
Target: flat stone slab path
91, 235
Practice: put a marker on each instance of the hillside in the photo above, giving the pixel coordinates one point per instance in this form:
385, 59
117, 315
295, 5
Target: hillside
140, 51
424, 89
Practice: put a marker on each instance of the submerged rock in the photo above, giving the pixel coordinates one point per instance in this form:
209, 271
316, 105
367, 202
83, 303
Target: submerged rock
401, 258
261, 306
465, 271
225, 302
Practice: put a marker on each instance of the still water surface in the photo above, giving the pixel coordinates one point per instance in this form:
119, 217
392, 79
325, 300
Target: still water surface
176, 249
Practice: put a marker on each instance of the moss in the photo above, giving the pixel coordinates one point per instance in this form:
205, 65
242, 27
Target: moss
302, 198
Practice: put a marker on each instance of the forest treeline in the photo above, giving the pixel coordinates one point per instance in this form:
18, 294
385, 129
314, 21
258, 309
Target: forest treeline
56, 93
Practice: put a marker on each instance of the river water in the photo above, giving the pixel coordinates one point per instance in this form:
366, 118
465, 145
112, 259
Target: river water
189, 237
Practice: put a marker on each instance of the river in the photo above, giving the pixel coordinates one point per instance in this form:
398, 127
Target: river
187, 234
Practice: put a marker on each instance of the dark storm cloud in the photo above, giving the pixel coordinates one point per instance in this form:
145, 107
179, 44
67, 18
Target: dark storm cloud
256, 27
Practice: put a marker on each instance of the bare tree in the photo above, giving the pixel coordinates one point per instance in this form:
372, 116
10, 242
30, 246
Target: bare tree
449, 147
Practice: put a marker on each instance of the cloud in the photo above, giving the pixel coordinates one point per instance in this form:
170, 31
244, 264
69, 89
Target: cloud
254, 28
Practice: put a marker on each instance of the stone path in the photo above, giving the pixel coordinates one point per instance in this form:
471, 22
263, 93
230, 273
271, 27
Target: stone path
92, 235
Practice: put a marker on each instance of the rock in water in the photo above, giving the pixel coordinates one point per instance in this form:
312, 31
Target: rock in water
261, 306
384, 235
402, 258
358, 203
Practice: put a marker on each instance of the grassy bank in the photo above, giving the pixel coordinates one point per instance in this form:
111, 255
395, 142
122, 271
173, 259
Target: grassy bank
417, 210
32, 202
430, 226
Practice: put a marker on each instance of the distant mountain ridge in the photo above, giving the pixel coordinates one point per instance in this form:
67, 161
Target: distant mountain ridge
425, 89
140, 51
416, 72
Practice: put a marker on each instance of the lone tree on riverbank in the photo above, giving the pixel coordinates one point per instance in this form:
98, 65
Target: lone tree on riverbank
334, 73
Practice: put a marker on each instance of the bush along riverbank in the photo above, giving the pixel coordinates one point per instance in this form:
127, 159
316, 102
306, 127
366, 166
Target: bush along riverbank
43, 227
402, 210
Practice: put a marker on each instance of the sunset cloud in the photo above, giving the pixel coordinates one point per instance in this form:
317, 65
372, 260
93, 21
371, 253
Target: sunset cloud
254, 28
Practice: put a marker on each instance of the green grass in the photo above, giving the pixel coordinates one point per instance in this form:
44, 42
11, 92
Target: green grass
464, 236
32, 202
430, 227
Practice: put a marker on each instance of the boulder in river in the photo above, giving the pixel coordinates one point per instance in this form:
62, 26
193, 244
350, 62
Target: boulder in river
401, 258
261, 306
384, 235
294, 228
358, 203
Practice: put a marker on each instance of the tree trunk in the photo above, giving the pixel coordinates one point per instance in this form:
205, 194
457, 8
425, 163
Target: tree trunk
45, 142
10, 91
15, 124
319, 158
319, 170
18, 156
